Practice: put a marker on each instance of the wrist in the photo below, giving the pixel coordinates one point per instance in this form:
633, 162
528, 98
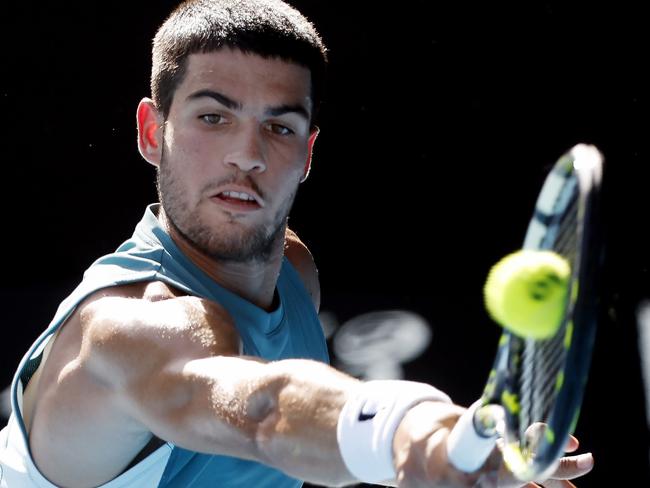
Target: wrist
420, 422
369, 420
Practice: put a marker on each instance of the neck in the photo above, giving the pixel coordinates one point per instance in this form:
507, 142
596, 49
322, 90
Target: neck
254, 281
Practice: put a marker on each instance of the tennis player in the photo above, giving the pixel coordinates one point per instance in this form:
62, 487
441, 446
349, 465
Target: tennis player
193, 356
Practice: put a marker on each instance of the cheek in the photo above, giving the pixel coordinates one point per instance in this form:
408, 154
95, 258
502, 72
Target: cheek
187, 147
289, 185
298, 158
293, 171
191, 157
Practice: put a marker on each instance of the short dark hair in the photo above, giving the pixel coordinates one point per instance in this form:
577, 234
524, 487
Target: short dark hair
269, 28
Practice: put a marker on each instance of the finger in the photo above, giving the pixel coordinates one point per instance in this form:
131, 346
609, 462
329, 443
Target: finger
556, 484
573, 466
487, 480
572, 444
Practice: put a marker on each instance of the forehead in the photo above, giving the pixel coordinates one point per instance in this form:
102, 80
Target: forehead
248, 78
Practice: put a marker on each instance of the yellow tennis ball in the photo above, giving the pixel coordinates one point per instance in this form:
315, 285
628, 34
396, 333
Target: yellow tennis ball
525, 292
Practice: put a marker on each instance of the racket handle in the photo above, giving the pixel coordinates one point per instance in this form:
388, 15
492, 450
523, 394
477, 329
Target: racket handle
467, 448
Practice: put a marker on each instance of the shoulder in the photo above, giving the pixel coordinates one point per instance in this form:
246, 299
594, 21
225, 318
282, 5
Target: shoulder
120, 345
298, 254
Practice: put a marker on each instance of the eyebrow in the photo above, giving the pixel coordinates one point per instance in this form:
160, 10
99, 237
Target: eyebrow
235, 105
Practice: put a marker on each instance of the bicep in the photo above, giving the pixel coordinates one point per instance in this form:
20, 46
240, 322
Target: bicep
136, 347
174, 369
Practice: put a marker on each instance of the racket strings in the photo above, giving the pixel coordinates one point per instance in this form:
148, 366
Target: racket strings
543, 361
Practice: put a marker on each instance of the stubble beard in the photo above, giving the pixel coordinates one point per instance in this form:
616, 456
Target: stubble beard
233, 242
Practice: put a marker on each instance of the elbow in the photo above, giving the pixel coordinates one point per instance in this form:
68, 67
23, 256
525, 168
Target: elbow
264, 416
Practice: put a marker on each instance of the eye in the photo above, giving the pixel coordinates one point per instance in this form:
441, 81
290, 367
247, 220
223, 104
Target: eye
213, 119
279, 129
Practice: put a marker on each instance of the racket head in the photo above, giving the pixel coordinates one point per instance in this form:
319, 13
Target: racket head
540, 383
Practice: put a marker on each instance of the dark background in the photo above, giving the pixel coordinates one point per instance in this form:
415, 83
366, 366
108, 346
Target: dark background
438, 129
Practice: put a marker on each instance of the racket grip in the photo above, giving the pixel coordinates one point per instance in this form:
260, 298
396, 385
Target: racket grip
467, 448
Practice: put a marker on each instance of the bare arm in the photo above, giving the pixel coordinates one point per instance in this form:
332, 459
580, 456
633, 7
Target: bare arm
172, 366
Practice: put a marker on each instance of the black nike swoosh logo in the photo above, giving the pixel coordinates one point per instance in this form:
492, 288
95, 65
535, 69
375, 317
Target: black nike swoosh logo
366, 416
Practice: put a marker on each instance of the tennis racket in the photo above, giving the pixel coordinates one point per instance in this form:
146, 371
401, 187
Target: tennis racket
534, 391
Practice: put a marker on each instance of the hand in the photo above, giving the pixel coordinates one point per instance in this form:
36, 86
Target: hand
569, 467
420, 450
420, 455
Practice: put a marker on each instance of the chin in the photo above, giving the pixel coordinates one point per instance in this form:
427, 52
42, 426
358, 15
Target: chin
237, 242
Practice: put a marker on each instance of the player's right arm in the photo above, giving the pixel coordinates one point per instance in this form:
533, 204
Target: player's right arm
173, 366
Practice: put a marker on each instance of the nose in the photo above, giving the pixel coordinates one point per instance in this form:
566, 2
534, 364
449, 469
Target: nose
247, 153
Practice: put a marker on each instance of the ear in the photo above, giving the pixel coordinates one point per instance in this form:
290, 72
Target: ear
149, 131
310, 149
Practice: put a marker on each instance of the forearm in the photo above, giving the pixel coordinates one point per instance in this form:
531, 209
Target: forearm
283, 414
298, 435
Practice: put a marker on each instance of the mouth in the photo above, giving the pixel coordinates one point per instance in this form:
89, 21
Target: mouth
238, 200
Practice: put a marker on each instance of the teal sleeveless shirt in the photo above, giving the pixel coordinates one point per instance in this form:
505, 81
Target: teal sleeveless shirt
292, 330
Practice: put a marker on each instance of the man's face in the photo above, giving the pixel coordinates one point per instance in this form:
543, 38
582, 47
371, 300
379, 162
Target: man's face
236, 145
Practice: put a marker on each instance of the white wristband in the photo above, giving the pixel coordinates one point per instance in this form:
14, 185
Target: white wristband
368, 422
